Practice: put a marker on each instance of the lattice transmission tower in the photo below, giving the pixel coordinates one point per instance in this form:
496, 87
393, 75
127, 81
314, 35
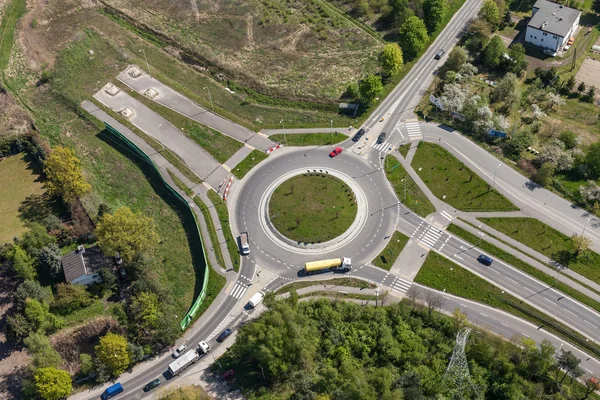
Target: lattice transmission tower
457, 377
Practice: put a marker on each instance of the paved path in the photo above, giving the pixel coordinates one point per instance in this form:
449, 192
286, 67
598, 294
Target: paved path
181, 104
346, 131
410, 260
154, 125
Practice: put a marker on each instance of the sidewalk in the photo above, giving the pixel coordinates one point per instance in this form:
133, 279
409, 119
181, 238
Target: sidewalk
346, 131
437, 203
410, 260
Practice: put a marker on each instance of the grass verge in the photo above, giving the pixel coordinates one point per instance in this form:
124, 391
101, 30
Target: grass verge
337, 295
415, 199
525, 267
251, 161
439, 273
179, 183
309, 139
212, 232
549, 242
221, 208
391, 252
218, 145
462, 188
349, 282
404, 149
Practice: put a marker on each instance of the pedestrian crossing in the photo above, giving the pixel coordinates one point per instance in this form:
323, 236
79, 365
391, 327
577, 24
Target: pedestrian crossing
430, 236
414, 130
381, 147
238, 290
447, 215
401, 285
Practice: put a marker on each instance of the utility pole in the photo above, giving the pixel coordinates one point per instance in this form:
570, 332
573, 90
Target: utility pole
210, 98
586, 223
283, 126
495, 170
145, 58
457, 377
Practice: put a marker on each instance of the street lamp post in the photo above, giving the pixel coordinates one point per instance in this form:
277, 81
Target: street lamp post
480, 236
495, 170
145, 58
283, 126
585, 226
210, 98
331, 126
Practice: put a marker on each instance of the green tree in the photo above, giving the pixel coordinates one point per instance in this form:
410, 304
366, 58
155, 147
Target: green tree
86, 364
569, 138
456, 59
35, 239
17, 327
569, 84
517, 64
64, 176
545, 174
493, 53
23, 264
591, 94
596, 6
568, 362
580, 244
391, 59
581, 87
413, 36
41, 318
112, 352
49, 260
369, 88
434, 11
42, 352
490, 13
144, 310
506, 90
70, 298
592, 159
52, 383
31, 290
126, 232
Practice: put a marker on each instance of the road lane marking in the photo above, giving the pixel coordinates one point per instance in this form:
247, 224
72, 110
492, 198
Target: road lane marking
570, 312
483, 314
512, 280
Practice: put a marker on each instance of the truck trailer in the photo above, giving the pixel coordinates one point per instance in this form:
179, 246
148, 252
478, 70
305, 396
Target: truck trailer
183, 362
343, 264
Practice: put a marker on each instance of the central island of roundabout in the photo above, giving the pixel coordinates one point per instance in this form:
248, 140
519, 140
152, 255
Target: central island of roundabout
300, 205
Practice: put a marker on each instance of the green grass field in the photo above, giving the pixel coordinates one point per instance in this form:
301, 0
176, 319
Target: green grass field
415, 198
232, 246
439, 273
251, 160
391, 252
350, 282
523, 266
309, 139
404, 149
19, 177
447, 176
549, 242
312, 208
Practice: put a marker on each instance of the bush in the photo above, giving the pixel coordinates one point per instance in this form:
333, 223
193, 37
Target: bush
70, 298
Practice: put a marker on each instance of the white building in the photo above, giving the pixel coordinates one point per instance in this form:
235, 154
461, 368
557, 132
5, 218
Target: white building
77, 270
551, 25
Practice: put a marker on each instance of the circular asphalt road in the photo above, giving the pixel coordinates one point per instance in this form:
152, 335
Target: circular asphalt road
362, 244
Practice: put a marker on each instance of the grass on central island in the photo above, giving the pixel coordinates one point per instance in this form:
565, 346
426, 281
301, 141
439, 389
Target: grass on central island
549, 242
391, 252
19, 178
447, 176
312, 208
309, 139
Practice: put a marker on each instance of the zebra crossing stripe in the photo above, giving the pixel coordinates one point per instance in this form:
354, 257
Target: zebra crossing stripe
401, 285
447, 215
414, 130
238, 290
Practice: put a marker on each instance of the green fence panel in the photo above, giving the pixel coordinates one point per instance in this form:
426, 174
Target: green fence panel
198, 302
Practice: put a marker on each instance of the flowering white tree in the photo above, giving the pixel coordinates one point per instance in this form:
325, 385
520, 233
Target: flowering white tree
454, 97
591, 192
556, 154
554, 100
538, 114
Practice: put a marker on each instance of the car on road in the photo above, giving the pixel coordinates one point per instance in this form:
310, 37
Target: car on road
485, 260
439, 54
112, 391
224, 335
151, 385
381, 138
359, 135
335, 152
179, 351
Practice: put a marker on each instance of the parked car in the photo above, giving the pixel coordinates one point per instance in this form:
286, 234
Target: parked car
381, 138
550, 52
485, 260
151, 385
359, 135
335, 152
224, 335
439, 54
179, 351
112, 391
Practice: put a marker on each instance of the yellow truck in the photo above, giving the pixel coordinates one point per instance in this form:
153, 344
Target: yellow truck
343, 264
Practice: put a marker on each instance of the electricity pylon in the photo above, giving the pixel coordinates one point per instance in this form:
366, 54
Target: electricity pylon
457, 378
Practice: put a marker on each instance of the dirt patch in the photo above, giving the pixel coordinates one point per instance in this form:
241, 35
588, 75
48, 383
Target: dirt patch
13, 360
589, 73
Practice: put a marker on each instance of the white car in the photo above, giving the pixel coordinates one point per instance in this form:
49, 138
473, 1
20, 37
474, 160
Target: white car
179, 351
549, 52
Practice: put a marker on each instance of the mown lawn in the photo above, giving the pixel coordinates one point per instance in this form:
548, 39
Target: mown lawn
350, 282
549, 242
400, 180
391, 252
232, 246
462, 188
251, 160
19, 177
309, 139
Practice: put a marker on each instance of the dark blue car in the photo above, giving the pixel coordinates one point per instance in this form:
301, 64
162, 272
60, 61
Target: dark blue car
224, 335
485, 260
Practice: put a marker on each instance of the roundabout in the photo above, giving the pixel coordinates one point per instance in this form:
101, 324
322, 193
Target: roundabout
361, 237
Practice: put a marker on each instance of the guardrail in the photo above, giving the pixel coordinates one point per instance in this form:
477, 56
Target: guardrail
198, 302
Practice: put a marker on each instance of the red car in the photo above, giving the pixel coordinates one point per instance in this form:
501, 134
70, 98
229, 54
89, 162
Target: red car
335, 152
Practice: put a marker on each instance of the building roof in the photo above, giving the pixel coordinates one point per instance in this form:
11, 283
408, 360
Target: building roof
74, 265
553, 18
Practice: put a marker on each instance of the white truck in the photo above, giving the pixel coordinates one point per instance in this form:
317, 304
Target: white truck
244, 244
184, 361
203, 348
256, 299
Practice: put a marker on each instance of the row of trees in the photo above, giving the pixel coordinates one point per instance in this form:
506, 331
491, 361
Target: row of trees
339, 350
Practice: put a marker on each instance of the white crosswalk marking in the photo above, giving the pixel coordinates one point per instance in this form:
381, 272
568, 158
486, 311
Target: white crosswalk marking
221, 326
382, 146
430, 236
401, 285
414, 130
447, 215
238, 290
